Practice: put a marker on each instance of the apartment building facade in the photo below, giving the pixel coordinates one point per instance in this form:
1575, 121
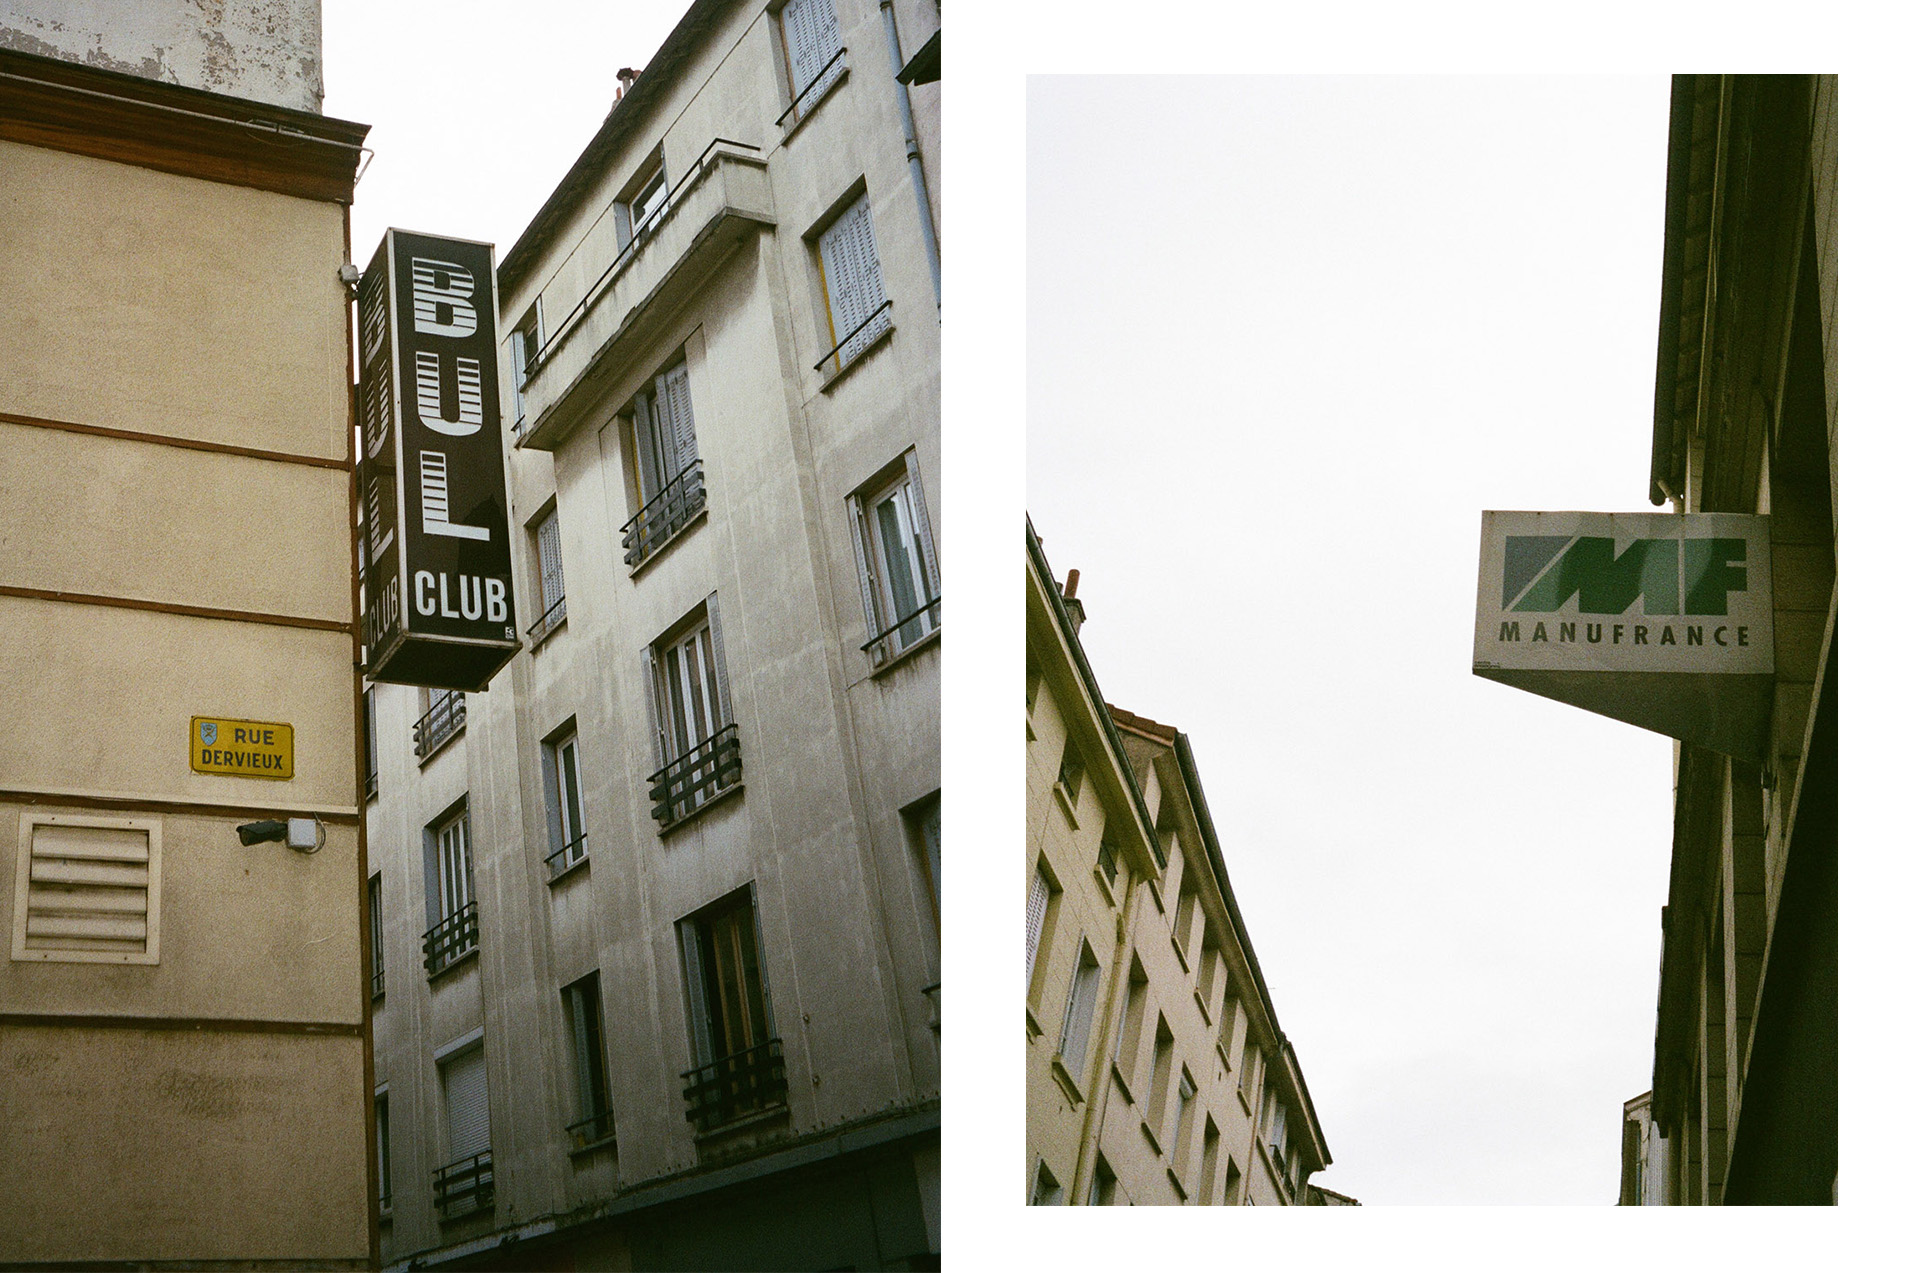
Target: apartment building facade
185, 1052
1157, 1072
1745, 1092
659, 910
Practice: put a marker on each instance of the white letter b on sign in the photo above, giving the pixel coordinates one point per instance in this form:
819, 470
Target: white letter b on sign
442, 286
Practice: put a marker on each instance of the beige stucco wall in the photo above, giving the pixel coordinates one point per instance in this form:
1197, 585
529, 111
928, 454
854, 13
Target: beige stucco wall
194, 310
211, 1105
1107, 1110
193, 1146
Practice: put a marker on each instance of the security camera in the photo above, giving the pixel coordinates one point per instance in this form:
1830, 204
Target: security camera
303, 835
256, 832
349, 274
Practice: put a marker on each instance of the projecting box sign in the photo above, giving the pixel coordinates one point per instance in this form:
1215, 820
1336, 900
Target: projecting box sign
1661, 620
240, 748
433, 486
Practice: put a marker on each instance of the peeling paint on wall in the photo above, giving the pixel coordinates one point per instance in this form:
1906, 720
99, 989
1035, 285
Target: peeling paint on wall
265, 50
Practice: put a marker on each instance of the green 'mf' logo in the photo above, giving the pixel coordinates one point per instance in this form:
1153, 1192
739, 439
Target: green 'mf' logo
1544, 572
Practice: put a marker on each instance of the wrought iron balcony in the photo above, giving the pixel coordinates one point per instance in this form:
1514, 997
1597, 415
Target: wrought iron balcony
567, 856
445, 719
373, 784
736, 1086
379, 980
908, 632
683, 496
592, 1131
465, 1186
686, 783
555, 616
452, 939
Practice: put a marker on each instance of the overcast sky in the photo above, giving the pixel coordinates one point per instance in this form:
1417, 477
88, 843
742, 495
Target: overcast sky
477, 111
1269, 393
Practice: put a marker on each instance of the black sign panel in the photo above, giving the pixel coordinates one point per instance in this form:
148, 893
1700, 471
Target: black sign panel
433, 485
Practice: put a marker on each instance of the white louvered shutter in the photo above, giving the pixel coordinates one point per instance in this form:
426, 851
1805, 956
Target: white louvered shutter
468, 1131
813, 37
852, 270
87, 894
723, 689
923, 523
553, 584
1037, 895
676, 404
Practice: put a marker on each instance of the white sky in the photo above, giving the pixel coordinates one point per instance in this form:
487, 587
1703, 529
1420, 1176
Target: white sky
1268, 398
477, 109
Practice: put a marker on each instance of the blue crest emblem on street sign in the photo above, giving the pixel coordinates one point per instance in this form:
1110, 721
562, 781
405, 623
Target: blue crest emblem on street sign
209, 732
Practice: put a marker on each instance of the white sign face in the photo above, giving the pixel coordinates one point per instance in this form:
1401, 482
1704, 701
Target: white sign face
1659, 619
1628, 592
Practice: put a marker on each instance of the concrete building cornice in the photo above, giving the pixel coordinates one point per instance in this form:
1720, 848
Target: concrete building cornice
191, 132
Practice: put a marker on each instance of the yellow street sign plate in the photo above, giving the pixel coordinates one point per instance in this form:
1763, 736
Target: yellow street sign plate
241, 748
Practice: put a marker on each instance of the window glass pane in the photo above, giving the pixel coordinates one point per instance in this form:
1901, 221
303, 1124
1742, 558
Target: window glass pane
570, 823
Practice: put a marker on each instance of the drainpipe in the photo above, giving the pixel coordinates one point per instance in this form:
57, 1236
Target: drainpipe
913, 151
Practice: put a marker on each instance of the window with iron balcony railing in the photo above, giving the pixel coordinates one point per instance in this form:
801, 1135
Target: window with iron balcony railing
464, 1186
445, 718
452, 939
682, 496
688, 782
729, 1089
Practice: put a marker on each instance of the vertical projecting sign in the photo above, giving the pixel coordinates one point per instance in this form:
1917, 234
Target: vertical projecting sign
1662, 620
433, 486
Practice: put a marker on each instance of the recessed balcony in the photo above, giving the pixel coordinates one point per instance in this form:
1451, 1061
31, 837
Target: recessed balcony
721, 203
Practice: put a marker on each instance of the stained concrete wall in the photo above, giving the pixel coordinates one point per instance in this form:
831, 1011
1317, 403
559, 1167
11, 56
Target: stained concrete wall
833, 750
262, 50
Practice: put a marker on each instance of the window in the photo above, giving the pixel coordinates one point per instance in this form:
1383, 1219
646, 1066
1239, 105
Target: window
371, 742
551, 601
810, 36
1161, 1081
667, 471
383, 1151
1232, 1198
464, 1184
525, 344
638, 212
566, 826
1046, 1189
738, 1067
1106, 1189
850, 281
893, 547
1071, 772
1280, 1136
1228, 1019
698, 745
1183, 919
1183, 1119
456, 930
1209, 1162
1039, 912
377, 925
1133, 1013
923, 824
87, 890
444, 719
1077, 1026
593, 1105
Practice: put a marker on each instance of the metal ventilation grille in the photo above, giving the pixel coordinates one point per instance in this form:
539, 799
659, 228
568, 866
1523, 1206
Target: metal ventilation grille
86, 890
